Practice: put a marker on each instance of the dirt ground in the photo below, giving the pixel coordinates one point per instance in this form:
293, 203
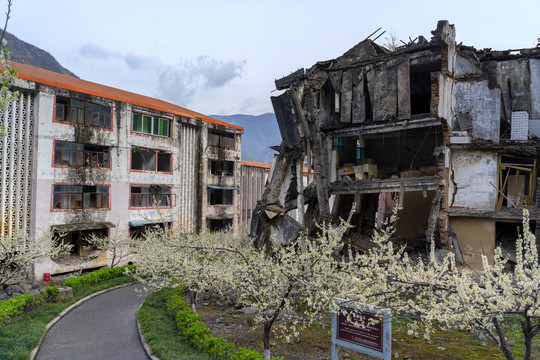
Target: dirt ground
314, 343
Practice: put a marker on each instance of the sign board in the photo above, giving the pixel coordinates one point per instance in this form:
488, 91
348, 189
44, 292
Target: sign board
372, 338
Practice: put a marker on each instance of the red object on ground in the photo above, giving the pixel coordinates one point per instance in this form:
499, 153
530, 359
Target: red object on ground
46, 276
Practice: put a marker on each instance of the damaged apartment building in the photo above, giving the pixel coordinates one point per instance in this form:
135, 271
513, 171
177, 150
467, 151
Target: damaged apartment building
81, 158
442, 131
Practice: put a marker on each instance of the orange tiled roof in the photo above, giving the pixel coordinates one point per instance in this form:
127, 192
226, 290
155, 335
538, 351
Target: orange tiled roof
256, 164
266, 166
31, 73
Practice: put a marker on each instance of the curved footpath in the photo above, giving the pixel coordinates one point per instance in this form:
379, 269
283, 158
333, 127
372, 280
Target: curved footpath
103, 327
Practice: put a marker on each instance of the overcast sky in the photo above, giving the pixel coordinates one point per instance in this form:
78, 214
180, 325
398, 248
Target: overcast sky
221, 57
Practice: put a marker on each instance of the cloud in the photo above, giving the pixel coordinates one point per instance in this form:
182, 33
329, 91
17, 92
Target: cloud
93, 51
140, 62
182, 82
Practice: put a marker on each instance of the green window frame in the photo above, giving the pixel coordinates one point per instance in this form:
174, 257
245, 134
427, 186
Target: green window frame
151, 125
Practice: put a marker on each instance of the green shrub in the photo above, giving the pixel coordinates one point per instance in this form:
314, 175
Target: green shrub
198, 335
97, 276
246, 354
51, 294
18, 305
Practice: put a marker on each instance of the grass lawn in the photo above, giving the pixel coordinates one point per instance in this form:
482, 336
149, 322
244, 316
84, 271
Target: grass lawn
18, 339
160, 331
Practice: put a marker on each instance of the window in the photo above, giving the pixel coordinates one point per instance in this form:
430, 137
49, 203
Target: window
152, 125
221, 139
78, 239
143, 159
80, 197
220, 197
221, 168
83, 112
76, 154
150, 195
215, 225
139, 232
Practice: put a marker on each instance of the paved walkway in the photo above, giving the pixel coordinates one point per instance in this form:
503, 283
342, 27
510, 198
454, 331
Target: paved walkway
104, 327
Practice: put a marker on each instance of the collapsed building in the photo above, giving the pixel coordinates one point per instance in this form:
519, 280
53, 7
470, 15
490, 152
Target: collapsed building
445, 132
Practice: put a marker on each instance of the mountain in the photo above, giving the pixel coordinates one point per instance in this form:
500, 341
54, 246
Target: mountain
260, 132
25, 53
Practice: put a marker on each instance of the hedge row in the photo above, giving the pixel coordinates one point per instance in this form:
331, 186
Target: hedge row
198, 335
18, 305
97, 276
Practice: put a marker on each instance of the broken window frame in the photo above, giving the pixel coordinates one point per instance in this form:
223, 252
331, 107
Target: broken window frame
221, 139
215, 195
72, 111
80, 197
502, 179
154, 125
73, 154
61, 236
221, 167
155, 168
227, 224
156, 196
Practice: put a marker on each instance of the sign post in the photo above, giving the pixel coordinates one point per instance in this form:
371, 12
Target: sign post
370, 338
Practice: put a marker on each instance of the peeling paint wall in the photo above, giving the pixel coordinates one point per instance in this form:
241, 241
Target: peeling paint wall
483, 105
222, 154
473, 179
476, 237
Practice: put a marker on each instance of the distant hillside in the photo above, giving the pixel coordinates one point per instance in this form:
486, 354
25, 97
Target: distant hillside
25, 53
260, 132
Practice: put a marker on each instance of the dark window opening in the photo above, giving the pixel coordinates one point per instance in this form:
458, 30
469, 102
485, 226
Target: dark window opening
76, 154
215, 225
420, 78
139, 232
404, 154
349, 150
220, 197
506, 234
221, 139
150, 196
80, 197
221, 168
78, 239
150, 160
83, 112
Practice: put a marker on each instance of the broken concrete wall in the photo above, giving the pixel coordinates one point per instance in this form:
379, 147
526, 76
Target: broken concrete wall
466, 67
513, 78
413, 217
473, 179
476, 237
482, 104
534, 65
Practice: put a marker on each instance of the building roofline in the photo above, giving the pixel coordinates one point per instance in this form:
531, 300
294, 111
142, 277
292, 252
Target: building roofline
31, 73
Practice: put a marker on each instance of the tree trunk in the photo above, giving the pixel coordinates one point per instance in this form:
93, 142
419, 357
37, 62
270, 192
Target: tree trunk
528, 336
266, 339
503, 344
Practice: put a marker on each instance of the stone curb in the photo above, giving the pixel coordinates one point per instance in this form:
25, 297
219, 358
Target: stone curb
147, 349
67, 310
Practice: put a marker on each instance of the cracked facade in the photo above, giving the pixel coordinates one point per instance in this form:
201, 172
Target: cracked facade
444, 131
83, 158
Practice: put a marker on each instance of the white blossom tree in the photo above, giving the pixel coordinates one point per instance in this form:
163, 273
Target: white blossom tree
19, 252
303, 272
440, 293
119, 247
